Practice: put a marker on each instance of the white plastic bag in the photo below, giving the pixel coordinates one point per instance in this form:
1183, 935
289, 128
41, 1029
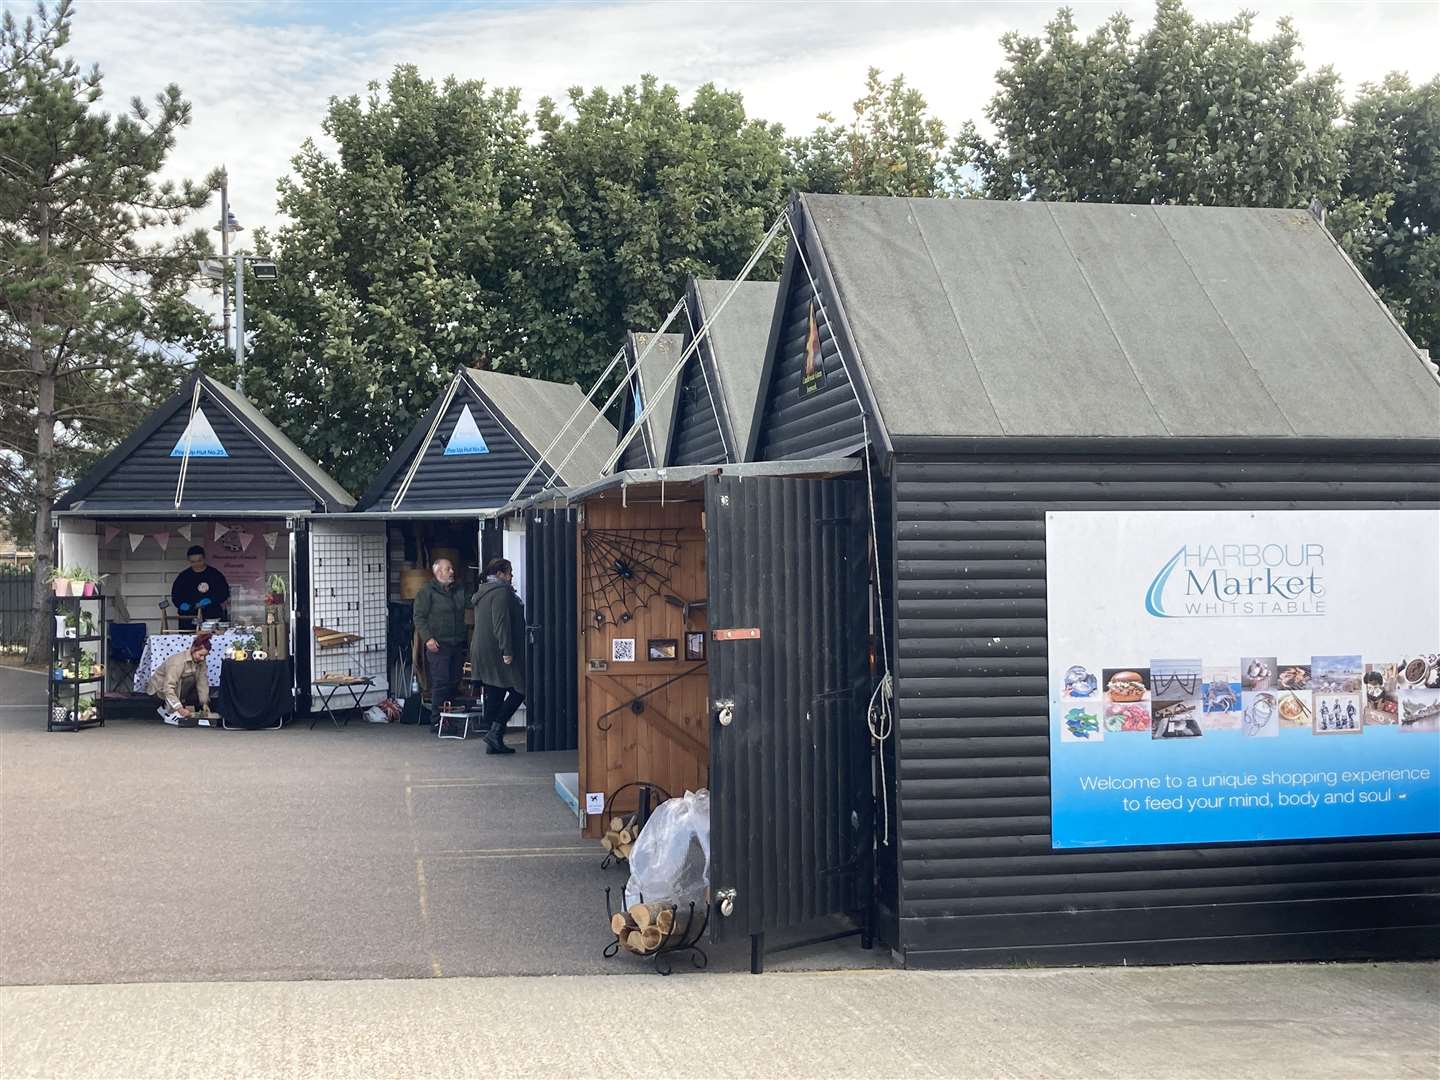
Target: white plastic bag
671, 858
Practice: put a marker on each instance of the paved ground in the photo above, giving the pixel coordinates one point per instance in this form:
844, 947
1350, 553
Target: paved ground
1301, 1021
141, 852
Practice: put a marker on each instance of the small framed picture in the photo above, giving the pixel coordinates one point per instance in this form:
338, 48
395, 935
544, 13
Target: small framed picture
663, 649
695, 645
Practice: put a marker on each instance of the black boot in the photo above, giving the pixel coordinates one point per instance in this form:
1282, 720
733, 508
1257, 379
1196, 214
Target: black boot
495, 740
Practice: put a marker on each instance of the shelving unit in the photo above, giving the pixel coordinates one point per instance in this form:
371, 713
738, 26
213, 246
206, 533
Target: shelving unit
63, 711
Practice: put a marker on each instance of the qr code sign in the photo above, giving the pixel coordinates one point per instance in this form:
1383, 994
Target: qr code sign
622, 650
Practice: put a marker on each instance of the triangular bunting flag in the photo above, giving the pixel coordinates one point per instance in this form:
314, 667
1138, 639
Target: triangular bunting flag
220, 530
198, 439
110, 533
466, 438
270, 539
135, 539
245, 539
183, 530
163, 539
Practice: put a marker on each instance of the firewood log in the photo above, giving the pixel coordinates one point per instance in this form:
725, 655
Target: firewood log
650, 938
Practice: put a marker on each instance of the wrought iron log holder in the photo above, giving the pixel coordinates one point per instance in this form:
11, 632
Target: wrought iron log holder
648, 797
681, 939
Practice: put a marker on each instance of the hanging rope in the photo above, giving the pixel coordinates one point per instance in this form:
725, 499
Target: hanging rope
879, 716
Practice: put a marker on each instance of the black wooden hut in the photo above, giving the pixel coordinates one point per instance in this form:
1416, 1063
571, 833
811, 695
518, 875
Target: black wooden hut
721, 377
649, 360
471, 453
205, 467
1000, 362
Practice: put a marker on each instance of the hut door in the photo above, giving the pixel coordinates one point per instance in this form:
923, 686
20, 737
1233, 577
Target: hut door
791, 806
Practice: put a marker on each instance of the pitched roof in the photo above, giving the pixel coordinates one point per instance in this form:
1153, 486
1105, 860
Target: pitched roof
539, 409
737, 340
651, 373
269, 473
981, 318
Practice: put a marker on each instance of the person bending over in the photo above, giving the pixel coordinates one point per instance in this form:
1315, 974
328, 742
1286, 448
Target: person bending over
183, 678
497, 650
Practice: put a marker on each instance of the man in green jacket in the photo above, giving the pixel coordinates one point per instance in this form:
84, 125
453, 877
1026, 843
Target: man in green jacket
440, 618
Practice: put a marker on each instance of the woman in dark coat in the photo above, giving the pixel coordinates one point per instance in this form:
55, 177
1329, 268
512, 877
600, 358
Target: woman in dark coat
497, 650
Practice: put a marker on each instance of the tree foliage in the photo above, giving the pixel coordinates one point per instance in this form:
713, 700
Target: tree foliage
892, 145
1390, 205
84, 301
1189, 112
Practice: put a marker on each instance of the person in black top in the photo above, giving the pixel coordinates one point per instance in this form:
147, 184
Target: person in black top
200, 592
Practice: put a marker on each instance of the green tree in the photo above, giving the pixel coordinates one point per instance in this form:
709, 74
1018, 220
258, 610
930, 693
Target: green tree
410, 250
83, 299
1190, 112
891, 146
1390, 200
647, 191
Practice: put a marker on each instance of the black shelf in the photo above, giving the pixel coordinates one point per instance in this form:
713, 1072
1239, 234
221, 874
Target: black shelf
65, 695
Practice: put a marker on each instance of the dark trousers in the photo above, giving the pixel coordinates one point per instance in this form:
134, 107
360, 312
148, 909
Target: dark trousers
500, 705
444, 666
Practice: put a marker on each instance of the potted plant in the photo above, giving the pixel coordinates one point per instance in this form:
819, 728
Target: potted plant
59, 578
276, 594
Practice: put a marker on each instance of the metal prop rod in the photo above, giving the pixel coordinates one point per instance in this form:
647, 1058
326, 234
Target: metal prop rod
420, 453
545, 456
655, 337
189, 438
695, 343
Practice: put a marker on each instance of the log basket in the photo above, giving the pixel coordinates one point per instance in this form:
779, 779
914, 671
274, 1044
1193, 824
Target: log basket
647, 797
682, 936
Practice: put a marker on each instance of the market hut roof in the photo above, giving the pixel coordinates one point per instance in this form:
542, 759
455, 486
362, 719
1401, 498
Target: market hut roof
975, 318
479, 439
649, 375
238, 462
737, 340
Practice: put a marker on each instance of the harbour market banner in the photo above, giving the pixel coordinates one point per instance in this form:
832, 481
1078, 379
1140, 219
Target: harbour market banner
1242, 675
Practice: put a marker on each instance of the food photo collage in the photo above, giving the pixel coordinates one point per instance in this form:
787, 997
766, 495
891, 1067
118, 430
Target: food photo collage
1258, 696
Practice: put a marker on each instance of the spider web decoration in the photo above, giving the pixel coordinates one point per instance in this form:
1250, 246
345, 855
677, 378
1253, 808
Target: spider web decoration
625, 569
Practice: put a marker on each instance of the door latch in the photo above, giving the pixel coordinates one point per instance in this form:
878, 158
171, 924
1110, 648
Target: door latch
725, 712
726, 897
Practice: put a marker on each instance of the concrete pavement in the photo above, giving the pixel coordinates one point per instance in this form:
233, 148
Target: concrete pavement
1294, 1021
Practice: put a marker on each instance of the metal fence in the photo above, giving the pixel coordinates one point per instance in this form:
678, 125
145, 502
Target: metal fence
17, 591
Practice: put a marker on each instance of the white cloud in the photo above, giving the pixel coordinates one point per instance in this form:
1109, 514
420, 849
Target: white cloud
260, 75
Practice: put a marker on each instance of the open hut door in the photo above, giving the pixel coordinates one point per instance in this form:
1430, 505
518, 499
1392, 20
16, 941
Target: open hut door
791, 805
553, 625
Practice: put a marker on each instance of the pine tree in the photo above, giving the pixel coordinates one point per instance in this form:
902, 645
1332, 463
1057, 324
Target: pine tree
84, 300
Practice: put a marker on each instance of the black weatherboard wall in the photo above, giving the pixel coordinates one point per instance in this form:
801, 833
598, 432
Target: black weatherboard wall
1015, 359
721, 377
552, 615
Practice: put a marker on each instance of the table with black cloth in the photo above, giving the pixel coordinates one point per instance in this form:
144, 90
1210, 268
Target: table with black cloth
255, 694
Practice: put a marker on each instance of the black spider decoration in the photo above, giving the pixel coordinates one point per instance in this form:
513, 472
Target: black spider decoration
625, 569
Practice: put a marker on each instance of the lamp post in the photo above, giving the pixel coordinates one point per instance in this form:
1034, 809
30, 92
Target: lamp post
226, 226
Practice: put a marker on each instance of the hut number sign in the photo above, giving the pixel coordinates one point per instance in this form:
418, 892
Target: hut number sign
1242, 675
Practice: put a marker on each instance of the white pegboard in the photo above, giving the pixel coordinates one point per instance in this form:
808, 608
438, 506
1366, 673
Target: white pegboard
348, 593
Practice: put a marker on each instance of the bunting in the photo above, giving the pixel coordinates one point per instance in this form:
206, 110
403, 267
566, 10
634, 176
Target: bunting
220, 530
245, 539
163, 539
183, 530
270, 539
111, 531
135, 539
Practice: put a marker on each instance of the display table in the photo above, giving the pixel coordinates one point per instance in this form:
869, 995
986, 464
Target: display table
255, 694
160, 647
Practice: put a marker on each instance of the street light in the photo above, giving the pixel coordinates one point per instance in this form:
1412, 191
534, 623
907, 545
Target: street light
225, 226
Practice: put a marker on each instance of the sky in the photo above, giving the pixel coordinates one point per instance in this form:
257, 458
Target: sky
259, 74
